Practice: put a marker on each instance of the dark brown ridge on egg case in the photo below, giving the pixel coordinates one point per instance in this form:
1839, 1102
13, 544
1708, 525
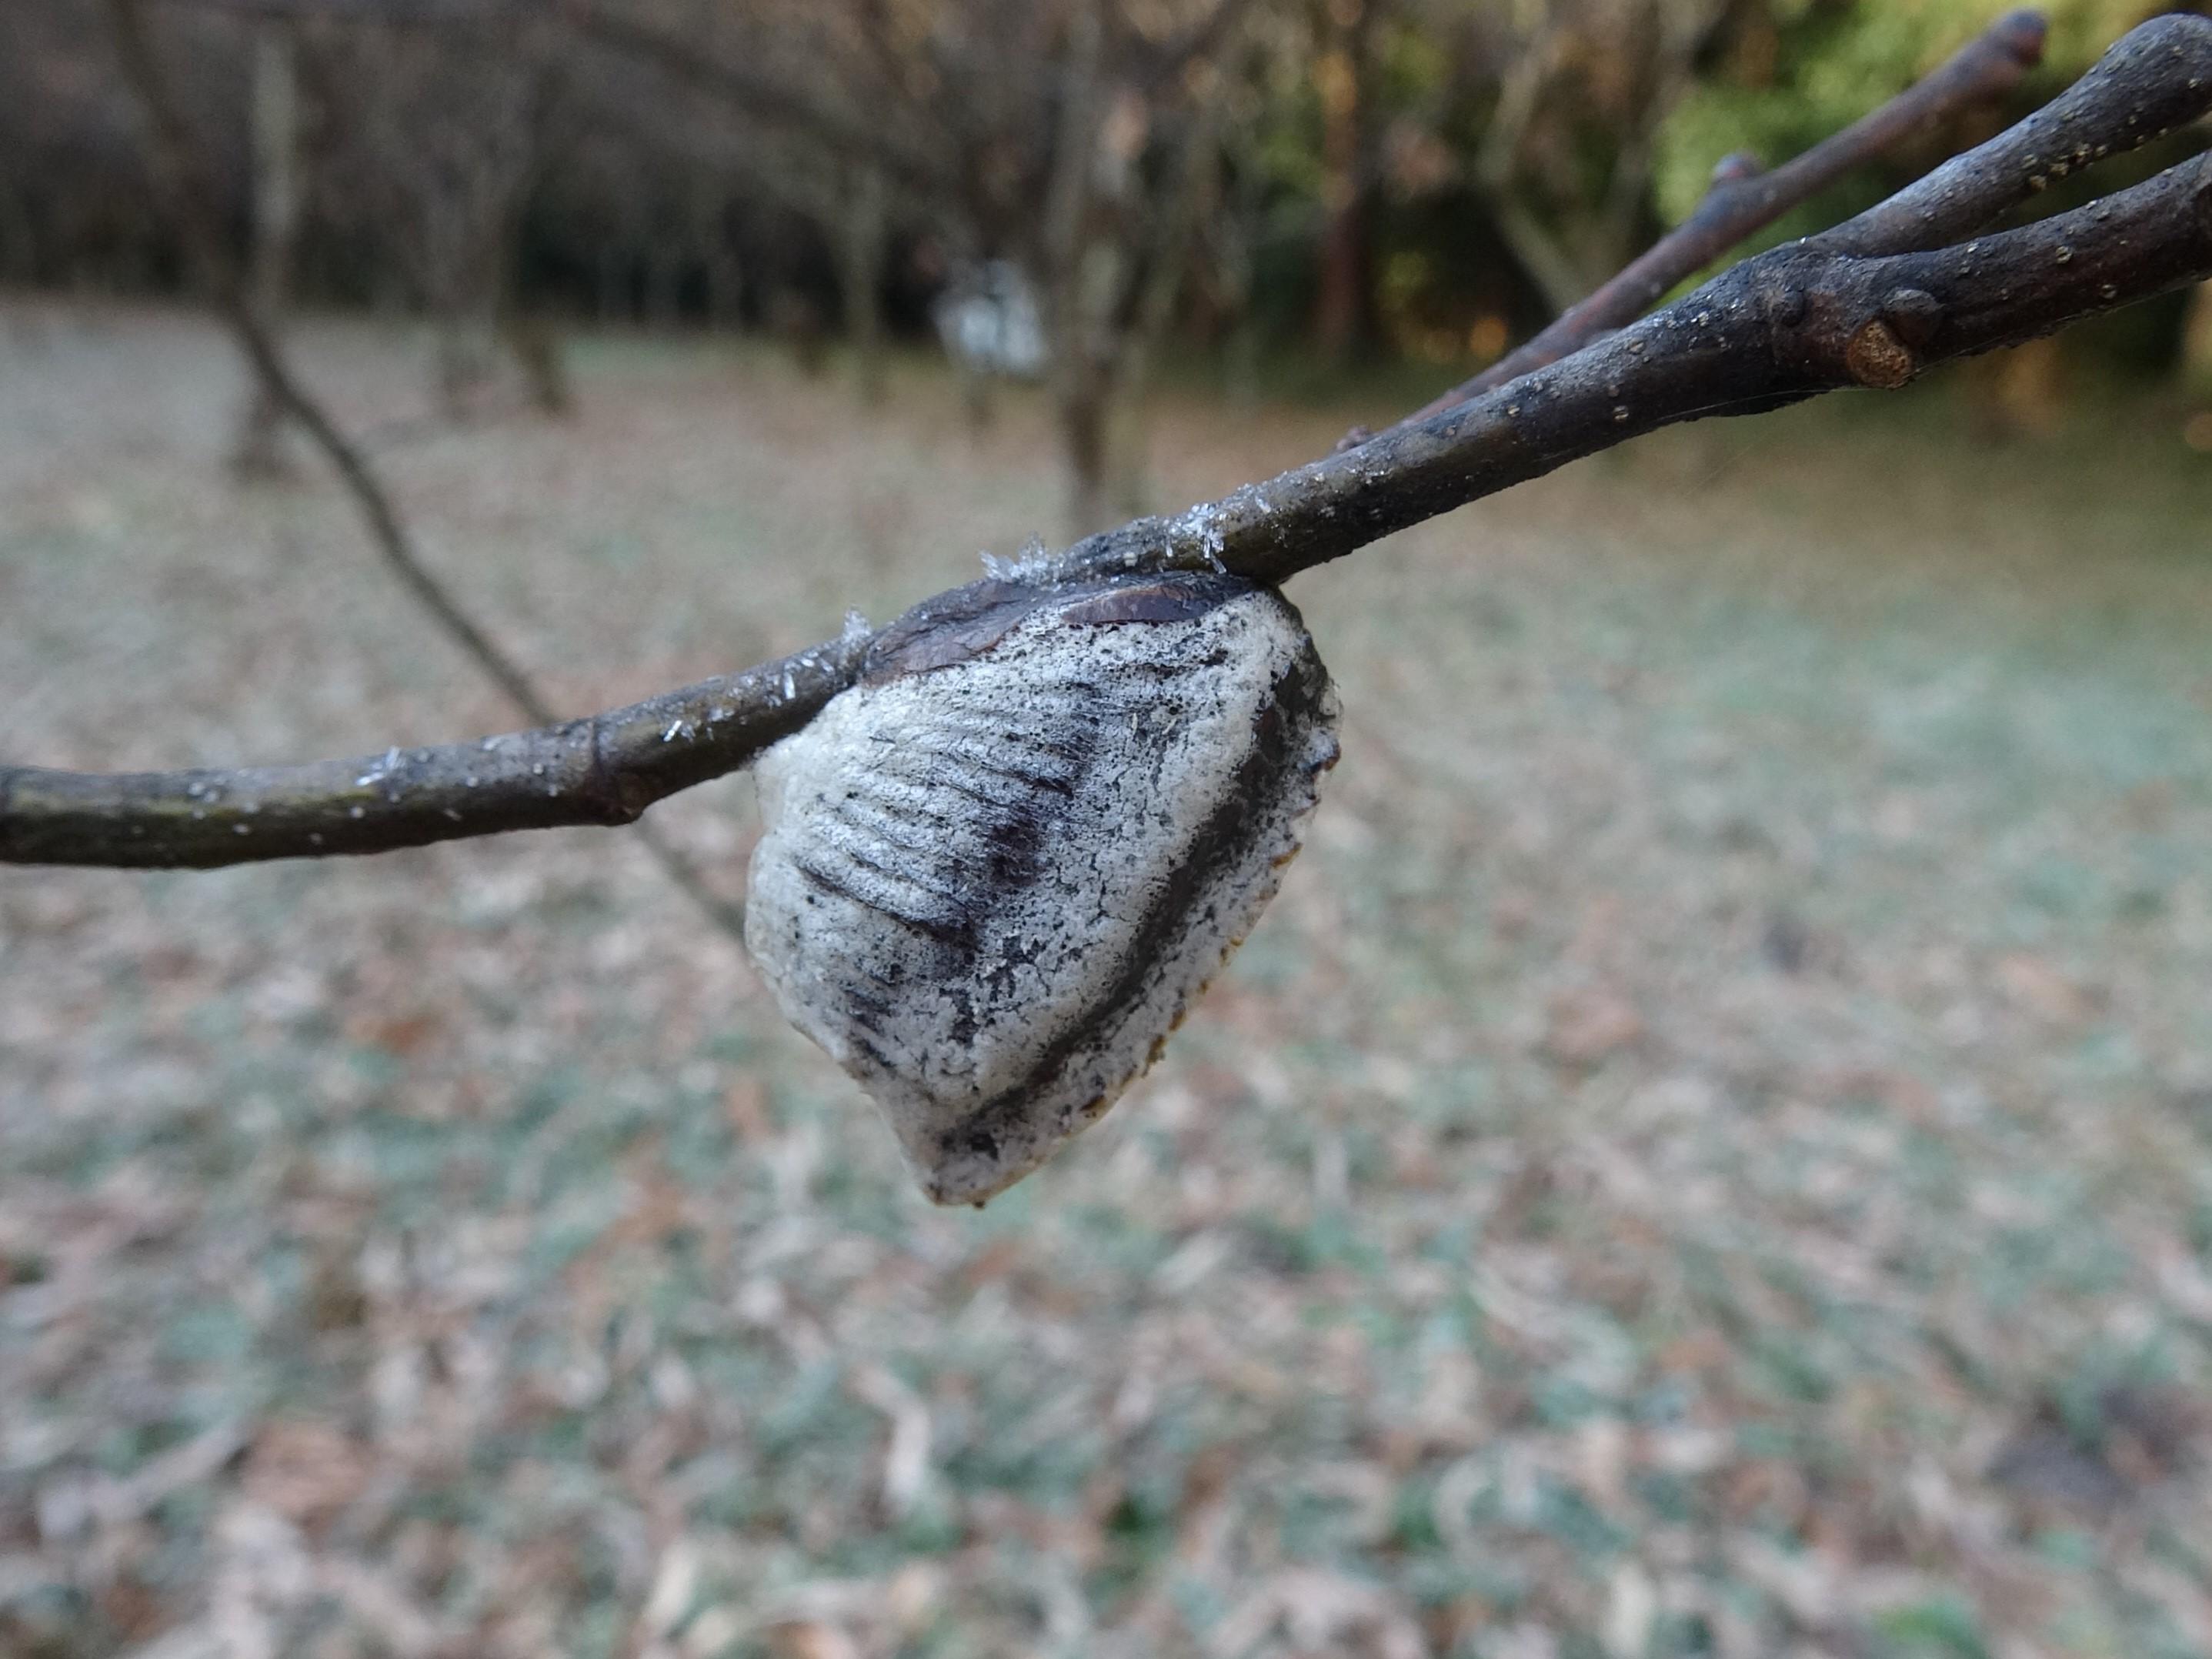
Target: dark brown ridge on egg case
969, 620
1296, 701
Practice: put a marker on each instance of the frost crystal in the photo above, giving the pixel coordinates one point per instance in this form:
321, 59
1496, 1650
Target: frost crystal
1032, 565
1198, 530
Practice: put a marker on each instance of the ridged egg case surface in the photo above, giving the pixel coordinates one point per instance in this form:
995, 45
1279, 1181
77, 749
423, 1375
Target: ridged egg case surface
995, 874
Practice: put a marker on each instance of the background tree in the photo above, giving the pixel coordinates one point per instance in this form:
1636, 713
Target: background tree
438, 135
274, 230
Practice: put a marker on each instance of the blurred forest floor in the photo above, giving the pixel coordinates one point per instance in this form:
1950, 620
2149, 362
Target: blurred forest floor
1712, 1153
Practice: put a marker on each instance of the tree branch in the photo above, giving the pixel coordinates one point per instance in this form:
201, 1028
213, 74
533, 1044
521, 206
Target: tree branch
1786, 325
1779, 328
2156, 79
606, 770
1743, 201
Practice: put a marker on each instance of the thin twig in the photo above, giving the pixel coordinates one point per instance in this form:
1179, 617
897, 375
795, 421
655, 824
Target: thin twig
606, 770
188, 197
1743, 201
2155, 80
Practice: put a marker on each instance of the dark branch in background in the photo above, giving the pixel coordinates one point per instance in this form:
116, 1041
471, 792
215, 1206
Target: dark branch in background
1869, 304
184, 188
604, 769
845, 138
188, 198
1743, 199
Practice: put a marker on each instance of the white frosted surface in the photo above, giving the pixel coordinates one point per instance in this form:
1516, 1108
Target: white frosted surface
990, 891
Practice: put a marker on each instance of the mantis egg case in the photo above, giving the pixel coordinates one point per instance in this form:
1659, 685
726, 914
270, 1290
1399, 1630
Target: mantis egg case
996, 872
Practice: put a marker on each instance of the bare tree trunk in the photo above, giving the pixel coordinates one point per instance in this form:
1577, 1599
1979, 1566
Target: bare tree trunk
975, 380
1235, 245
611, 290
1086, 433
19, 250
663, 282
1079, 391
724, 273
463, 256
861, 274
535, 341
274, 115
797, 317
726, 287
1344, 314
977, 401
470, 180
465, 361
535, 344
1547, 262
1198, 178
